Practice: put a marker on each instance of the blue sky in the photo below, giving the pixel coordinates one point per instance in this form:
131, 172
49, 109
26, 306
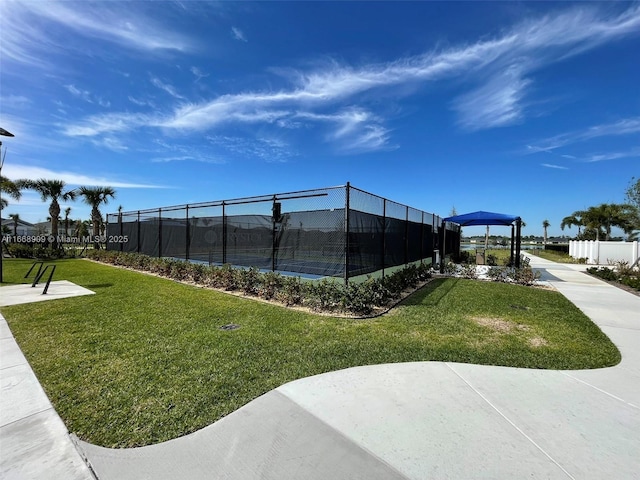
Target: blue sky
526, 108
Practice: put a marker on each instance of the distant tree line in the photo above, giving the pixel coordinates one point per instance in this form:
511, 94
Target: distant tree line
596, 222
55, 191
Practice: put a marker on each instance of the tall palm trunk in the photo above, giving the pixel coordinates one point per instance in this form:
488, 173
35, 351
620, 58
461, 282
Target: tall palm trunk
54, 213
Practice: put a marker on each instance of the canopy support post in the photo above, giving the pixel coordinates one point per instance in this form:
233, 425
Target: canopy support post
518, 240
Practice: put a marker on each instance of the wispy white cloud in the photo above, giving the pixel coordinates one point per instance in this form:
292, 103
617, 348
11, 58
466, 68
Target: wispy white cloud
169, 152
76, 92
16, 172
500, 69
110, 143
198, 73
170, 89
238, 34
600, 157
107, 123
269, 149
34, 31
141, 102
495, 104
185, 158
626, 126
15, 101
87, 96
558, 167
356, 130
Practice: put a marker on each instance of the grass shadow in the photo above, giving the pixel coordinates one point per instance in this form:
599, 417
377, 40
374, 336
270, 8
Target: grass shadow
432, 293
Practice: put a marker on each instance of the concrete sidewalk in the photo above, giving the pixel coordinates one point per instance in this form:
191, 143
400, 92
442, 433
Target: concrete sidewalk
395, 421
427, 419
34, 442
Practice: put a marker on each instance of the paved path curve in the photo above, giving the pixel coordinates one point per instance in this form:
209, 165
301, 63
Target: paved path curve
427, 419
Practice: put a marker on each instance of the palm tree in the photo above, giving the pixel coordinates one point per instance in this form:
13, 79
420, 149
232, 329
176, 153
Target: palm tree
574, 219
81, 228
16, 218
603, 217
51, 190
545, 225
95, 196
67, 211
10, 188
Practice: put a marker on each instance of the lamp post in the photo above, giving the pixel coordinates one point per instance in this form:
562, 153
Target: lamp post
4, 133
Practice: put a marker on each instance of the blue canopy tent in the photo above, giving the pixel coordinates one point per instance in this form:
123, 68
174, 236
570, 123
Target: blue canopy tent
490, 218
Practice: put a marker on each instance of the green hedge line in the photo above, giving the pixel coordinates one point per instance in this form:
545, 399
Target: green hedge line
621, 273
323, 295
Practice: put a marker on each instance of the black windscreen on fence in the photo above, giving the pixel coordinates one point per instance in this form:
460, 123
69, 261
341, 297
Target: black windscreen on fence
333, 232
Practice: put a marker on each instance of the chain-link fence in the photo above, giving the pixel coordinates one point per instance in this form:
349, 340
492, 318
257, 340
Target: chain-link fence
331, 232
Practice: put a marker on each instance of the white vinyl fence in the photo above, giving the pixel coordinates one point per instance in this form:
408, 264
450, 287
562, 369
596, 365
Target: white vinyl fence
604, 253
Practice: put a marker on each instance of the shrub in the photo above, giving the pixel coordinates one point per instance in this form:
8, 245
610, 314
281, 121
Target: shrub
424, 272
179, 270
492, 260
633, 282
468, 271
323, 295
327, 295
498, 274
463, 257
228, 278
270, 283
525, 276
248, 280
358, 298
605, 273
291, 292
46, 252
20, 250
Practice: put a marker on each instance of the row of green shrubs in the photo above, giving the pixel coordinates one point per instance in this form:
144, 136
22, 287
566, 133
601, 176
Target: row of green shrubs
524, 275
323, 295
620, 272
43, 251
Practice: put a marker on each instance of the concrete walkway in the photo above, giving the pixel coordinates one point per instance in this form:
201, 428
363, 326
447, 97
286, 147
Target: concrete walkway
422, 420
427, 419
34, 442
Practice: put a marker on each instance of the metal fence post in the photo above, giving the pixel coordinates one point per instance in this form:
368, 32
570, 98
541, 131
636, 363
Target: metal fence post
406, 236
224, 234
384, 233
346, 243
273, 234
187, 234
138, 227
421, 238
159, 233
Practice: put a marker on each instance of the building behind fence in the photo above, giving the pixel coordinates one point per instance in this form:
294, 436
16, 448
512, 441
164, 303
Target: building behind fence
602, 253
338, 232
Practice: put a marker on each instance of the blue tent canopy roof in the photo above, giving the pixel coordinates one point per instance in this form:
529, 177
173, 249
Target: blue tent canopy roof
482, 218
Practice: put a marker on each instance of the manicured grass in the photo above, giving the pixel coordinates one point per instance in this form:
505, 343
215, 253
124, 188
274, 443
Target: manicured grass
144, 360
554, 256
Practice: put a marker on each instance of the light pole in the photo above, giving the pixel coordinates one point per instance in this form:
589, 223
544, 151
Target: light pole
4, 133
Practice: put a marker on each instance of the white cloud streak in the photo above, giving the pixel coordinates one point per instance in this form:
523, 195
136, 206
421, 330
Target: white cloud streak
600, 157
28, 25
501, 67
626, 126
238, 34
170, 89
15, 172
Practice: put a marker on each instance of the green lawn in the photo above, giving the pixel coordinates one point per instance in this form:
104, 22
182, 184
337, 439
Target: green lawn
144, 360
554, 256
